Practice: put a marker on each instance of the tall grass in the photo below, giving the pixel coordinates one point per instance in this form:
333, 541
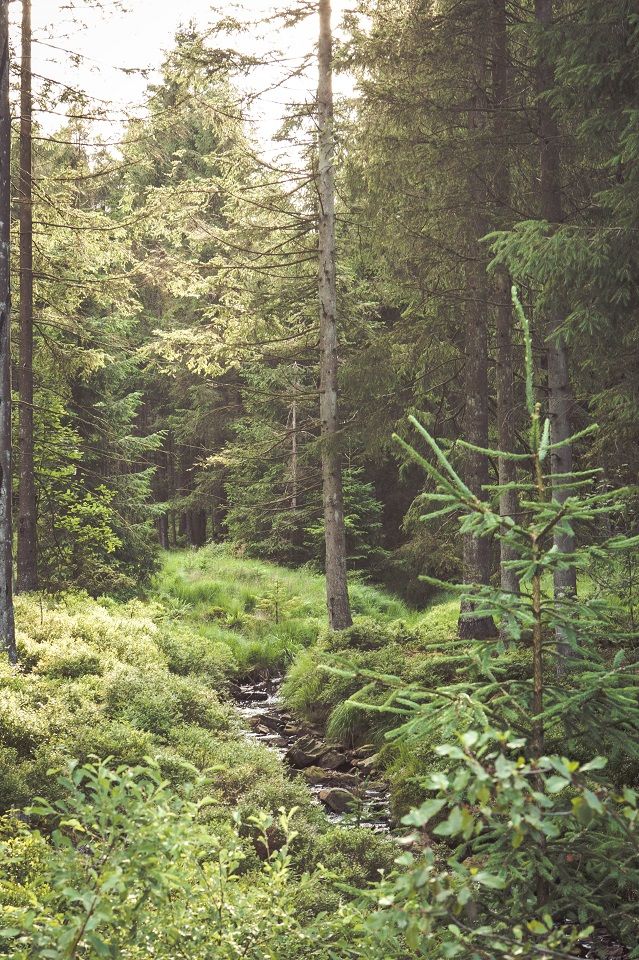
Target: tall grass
264, 613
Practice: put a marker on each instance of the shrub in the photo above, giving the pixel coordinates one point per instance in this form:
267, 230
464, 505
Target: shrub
187, 653
130, 864
541, 849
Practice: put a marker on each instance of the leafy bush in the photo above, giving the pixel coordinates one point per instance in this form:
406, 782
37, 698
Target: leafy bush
541, 850
127, 862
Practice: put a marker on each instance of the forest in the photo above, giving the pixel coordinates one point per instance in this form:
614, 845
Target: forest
319, 481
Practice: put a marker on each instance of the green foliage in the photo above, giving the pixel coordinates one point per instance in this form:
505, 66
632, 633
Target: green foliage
536, 852
129, 863
263, 614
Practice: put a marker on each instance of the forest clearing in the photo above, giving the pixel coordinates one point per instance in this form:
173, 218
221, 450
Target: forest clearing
319, 480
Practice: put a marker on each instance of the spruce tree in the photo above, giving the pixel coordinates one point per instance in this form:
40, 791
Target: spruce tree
7, 627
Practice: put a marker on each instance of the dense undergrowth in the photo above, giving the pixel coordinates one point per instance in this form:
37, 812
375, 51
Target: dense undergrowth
133, 682
138, 820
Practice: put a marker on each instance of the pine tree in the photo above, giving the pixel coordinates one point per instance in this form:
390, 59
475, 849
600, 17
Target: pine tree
7, 627
27, 557
339, 614
559, 387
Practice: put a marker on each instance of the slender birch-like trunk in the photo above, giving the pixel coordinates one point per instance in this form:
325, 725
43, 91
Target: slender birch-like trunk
27, 578
339, 613
7, 626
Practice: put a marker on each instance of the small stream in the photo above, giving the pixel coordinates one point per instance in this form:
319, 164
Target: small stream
339, 780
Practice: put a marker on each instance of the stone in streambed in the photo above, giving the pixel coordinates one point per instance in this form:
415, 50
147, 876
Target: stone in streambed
368, 764
272, 722
338, 800
257, 696
333, 760
361, 753
305, 752
316, 776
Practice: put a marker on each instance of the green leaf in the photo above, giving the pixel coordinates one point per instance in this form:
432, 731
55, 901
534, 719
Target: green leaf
555, 784
421, 815
490, 880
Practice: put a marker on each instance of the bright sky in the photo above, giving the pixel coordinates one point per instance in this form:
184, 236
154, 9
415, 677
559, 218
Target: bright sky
114, 41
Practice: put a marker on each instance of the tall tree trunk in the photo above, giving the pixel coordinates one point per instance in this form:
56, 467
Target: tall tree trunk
27, 578
476, 550
504, 376
170, 472
7, 625
339, 612
293, 422
559, 389
294, 455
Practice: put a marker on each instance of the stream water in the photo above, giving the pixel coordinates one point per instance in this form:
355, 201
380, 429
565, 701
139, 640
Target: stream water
338, 780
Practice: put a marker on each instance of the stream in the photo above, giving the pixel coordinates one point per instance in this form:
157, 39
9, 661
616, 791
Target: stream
340, 781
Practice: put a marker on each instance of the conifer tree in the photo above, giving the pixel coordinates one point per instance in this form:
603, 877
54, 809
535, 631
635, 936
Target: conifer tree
339, 614
7, 627
27, 560
504, 359
477, 559
559, 387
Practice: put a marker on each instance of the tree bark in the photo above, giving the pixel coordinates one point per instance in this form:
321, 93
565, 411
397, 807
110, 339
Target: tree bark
339, 613
559, 390
163, 531
504, 375
7, 624
27, 578
476, 550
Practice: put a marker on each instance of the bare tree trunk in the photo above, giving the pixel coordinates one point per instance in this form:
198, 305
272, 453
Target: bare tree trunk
339, 612
559, 389
294, 455
27, 578
476, 550
7, 625
504, 377
170, 469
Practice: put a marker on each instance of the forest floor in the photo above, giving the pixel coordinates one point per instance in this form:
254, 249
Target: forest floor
271, 620
228, 679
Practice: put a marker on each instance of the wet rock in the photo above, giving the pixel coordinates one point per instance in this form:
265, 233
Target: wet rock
258, 696
305, 752
316, 776
273, 723
333, 760
338, 800
367, 765
361, 753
